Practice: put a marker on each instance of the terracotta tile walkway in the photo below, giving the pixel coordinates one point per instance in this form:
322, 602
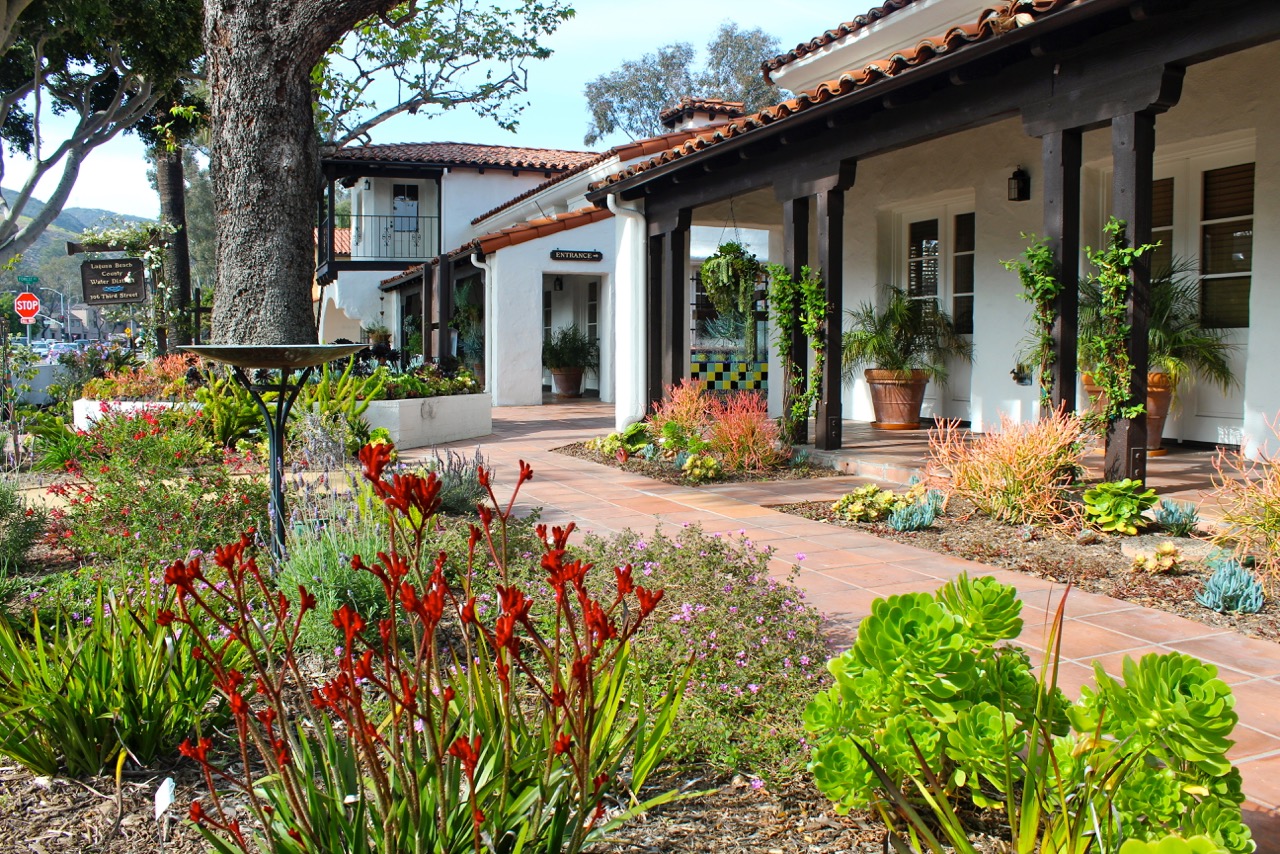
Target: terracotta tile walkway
843, 571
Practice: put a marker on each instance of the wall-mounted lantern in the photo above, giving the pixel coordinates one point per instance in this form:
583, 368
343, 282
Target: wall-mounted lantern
1019, 185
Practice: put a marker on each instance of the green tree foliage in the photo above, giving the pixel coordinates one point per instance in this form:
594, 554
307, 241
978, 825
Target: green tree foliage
104, 62
441, 56
628, 100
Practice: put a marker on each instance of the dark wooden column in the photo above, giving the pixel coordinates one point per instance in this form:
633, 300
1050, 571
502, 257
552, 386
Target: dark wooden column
443, 287
667, 309
654, 318
675, 281
1133, 137
795, 254
828, 419
1060, 152
428, 306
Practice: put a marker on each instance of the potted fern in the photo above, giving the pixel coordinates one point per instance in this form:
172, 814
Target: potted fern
901, 346
731, 278
568, 353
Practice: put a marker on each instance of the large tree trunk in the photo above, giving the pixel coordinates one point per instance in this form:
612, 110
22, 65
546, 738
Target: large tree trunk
264, 160
171, 186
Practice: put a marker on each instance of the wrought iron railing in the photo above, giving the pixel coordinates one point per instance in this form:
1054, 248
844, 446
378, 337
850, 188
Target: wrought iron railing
391, 237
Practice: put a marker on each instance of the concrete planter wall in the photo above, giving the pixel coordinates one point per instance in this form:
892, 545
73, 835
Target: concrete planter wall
422, 421
86, 411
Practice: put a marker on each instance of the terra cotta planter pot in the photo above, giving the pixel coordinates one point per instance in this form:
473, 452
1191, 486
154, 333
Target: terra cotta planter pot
567, 382
1159, 397
896, 397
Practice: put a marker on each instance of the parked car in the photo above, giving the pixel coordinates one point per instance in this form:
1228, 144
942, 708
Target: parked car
57, 348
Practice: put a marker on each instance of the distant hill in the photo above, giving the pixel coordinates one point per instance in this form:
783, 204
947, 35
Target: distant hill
68, 225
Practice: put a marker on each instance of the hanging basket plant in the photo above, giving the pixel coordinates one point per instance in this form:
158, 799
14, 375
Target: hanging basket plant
731, 277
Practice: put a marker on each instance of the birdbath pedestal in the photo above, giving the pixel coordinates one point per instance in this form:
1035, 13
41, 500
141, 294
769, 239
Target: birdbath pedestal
286, 359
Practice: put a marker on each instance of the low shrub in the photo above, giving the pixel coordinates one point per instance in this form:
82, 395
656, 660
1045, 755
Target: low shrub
933, 709
148, 491
701, 468
1232, 588
871, 503
79, 689
743, 435
1177, 518
1166, 557
162, 378
687, 408
460, 486
1248, 493
1116, 507
1019, 474
917, 516
21, 524
406, 748
757, 646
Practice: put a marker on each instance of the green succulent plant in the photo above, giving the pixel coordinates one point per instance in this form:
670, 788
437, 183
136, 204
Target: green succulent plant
1117, 506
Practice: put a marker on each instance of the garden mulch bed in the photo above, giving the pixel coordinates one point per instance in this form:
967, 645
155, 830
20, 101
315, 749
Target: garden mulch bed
1092, 563
664, 471
44, 816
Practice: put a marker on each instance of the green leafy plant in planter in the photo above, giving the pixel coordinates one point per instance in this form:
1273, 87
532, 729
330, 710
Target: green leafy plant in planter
902, 346
568, 353
731, 277
1179, 346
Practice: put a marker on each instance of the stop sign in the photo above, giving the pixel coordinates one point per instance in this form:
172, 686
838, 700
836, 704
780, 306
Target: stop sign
27, 304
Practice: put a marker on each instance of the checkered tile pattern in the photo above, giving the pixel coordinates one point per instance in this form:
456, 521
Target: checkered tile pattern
720, 375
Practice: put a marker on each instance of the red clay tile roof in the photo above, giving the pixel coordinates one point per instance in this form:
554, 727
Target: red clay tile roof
534, 228
513, 235
818, 42
687, 106
626, 151
991, 23
341, 240
467, 154
415, 270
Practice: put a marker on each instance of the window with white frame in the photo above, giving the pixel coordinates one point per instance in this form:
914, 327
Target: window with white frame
940, 260
1202, 215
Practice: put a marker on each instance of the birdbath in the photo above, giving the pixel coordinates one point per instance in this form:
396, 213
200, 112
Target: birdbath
285, 358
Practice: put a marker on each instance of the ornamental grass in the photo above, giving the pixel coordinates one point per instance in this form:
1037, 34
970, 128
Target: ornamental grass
1018, 474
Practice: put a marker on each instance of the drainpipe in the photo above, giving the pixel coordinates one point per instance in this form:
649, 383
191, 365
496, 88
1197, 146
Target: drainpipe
631, 402
491, 375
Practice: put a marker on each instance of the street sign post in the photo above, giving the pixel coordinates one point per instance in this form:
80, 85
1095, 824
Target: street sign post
27, 305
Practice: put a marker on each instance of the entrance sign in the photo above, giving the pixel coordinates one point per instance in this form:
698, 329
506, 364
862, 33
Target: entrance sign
113, 282
576, 255
27, 304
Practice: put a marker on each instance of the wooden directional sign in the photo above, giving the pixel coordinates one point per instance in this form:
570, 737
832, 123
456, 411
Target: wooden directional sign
118, 281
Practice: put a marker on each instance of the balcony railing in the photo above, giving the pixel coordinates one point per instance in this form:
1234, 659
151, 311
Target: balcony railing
381, 237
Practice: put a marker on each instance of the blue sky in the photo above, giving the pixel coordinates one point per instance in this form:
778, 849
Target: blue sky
597, 40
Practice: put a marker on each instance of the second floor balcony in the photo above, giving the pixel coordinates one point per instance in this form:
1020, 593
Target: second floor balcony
375, 242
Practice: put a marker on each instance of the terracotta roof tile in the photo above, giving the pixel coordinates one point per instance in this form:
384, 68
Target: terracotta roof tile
467, 154
992, 22
341, 240
835, 34
626, 151
513, 235
532, 229
687, 106
415, 270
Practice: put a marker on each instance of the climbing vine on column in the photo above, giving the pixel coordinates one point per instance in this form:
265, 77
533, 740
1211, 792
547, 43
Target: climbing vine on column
798, 304
1104, 346
1042, 288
